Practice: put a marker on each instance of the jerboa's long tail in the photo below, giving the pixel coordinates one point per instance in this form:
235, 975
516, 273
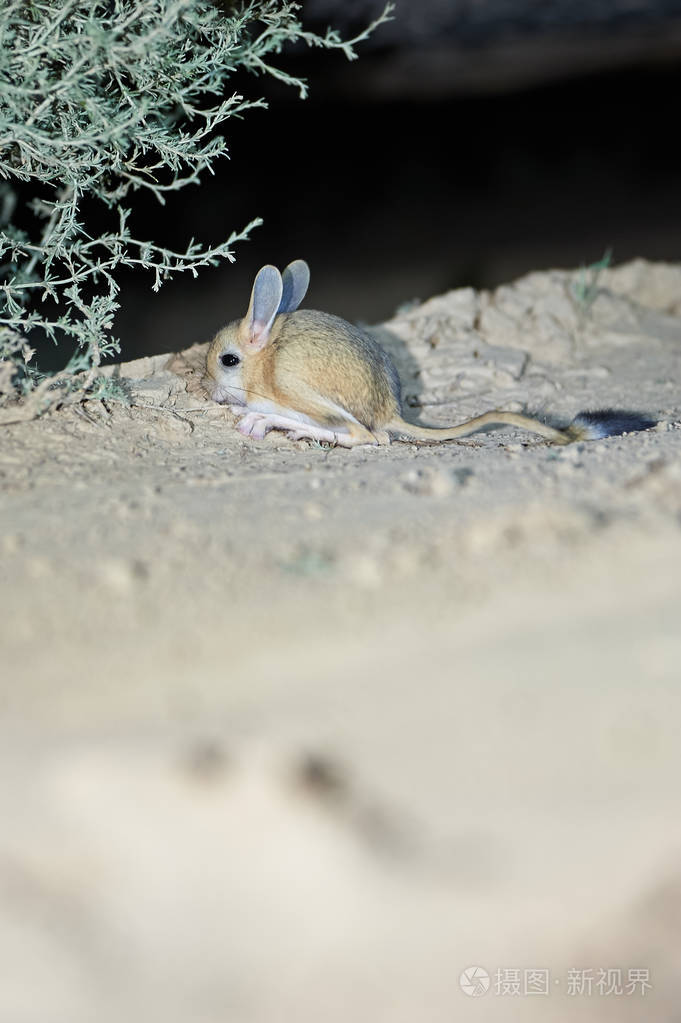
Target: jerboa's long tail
585, 426
608, 422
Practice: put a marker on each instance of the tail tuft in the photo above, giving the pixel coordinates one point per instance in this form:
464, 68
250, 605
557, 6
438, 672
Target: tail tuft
608, 422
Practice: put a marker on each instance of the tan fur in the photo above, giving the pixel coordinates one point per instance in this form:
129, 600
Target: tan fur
311, 367
314, 360
435, 433
320, 354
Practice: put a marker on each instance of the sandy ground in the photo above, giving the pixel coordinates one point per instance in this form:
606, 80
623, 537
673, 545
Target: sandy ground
297, 733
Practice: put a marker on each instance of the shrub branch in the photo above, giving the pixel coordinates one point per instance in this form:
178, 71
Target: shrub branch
104, 99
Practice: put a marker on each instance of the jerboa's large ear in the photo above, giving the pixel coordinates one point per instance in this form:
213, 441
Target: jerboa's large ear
264, 306
296, 280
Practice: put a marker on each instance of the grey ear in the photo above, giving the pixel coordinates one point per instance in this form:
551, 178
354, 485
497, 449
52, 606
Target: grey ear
263, 308
296, 280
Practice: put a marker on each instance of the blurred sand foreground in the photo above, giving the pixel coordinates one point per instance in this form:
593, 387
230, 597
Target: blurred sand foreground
297, 734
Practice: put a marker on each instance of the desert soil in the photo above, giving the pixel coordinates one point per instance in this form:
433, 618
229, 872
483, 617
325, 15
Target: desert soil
299, 733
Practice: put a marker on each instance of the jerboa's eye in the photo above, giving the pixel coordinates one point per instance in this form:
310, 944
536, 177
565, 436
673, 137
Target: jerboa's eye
229, 359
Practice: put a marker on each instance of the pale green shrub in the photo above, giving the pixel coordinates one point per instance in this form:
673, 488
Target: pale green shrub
105, 99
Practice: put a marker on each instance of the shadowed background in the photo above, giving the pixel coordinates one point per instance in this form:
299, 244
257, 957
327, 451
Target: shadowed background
469, 143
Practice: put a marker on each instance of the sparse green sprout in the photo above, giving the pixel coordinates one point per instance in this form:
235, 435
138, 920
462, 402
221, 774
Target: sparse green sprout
585, 288
106, 99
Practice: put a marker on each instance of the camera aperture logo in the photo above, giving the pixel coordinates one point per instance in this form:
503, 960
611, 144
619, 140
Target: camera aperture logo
510, 981
474, 981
